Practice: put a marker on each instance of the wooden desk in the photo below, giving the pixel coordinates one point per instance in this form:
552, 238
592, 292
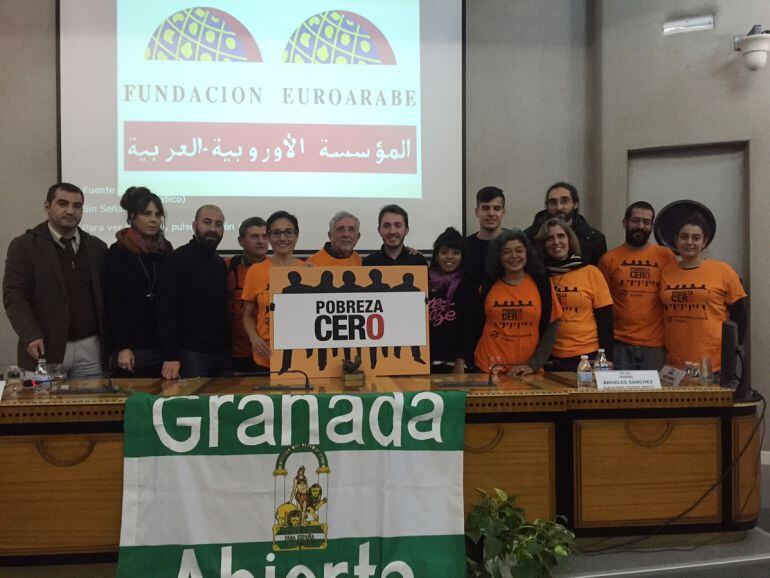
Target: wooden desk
611, 463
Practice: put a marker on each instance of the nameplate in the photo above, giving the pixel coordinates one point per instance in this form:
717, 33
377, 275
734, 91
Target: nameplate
2, 387
671, 375
627, 380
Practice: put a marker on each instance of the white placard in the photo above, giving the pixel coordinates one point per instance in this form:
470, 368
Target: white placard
627, 380
2, 388
328, 320
671, 375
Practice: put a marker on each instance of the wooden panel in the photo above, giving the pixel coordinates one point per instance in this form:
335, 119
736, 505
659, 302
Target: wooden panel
646, 471
747, 473
60, 493
517, 458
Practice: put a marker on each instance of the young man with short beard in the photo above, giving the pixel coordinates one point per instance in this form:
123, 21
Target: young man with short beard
562, 201
633, 271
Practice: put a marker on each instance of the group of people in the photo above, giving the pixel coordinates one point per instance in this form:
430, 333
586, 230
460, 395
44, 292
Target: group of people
517, 300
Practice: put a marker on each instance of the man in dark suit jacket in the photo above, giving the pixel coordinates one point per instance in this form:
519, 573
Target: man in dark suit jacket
52, 288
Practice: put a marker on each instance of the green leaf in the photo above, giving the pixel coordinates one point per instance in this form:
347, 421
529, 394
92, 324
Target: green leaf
492, 547
501, 495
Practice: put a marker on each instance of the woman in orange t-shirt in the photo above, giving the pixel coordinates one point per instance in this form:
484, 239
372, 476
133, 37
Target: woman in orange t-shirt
698, 294
583, 294
519, 310
282, 233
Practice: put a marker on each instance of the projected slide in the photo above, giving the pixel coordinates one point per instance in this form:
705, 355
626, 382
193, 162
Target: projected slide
249, 102
306, 106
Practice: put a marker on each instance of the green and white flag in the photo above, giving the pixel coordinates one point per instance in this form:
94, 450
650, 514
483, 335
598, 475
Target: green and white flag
294, 486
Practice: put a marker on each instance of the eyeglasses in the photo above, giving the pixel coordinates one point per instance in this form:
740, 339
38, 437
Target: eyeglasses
554, 202
286, 233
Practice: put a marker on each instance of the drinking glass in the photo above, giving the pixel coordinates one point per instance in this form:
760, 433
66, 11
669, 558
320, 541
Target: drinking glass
706, 375
13, 379
58, 375
495, 372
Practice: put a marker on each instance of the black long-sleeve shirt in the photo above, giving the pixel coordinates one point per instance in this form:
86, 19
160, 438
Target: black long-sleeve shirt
131, 285
451, 334
192, 302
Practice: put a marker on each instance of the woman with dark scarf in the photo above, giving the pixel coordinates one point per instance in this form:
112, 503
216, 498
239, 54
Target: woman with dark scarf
132, 272
584, 296
451, 300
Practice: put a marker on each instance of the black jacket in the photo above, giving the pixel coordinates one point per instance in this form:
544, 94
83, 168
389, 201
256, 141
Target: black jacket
192, 302
35, 295
593, 244
381, 259
130, 286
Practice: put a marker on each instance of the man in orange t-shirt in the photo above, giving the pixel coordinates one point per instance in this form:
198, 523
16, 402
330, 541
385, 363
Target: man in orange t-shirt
632, 271
511, 333
252, 236
343, 236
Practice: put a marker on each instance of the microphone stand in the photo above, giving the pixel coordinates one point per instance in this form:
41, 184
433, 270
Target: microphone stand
277, 386
285, 386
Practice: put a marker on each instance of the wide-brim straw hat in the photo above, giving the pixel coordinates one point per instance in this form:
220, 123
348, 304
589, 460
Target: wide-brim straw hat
670, 217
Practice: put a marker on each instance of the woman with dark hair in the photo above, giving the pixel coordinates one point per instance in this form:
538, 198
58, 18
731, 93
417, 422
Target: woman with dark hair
583, 294
519, 308
451, 299
698, 295
132, 272
282, 234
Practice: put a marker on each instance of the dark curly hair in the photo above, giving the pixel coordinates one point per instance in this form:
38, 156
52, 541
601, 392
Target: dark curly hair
452, 239
494, 268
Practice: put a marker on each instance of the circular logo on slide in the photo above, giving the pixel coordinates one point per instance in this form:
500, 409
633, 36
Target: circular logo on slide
202, 34
338, 37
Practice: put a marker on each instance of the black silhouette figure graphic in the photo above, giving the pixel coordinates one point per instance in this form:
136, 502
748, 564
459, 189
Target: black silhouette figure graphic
407, 284
349, 285
295, 286
325, 285
376, 286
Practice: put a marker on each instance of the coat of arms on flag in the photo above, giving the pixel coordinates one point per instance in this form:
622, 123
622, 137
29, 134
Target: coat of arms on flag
299, 524
294, 486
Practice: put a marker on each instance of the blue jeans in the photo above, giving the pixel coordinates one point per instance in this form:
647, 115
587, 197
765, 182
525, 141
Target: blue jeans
635, 357
196, 364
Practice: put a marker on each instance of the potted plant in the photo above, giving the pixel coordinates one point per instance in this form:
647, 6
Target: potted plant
506, 545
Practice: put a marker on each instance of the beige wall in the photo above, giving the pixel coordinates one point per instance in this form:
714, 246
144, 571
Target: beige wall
27, 124
527, 64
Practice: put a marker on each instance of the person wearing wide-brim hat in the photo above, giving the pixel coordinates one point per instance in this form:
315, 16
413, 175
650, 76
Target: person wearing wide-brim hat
698, 294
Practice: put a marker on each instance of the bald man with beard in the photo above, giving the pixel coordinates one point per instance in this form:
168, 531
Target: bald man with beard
192, 303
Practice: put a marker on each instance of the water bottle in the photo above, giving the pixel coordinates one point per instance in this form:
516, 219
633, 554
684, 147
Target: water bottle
601, 363
584, 374
42, 380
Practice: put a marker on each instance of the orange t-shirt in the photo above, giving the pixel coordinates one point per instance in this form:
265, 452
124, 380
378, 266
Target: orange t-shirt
236, 276
694, 306
323, 259
580, 291
511, 330
633, 275
256, 289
